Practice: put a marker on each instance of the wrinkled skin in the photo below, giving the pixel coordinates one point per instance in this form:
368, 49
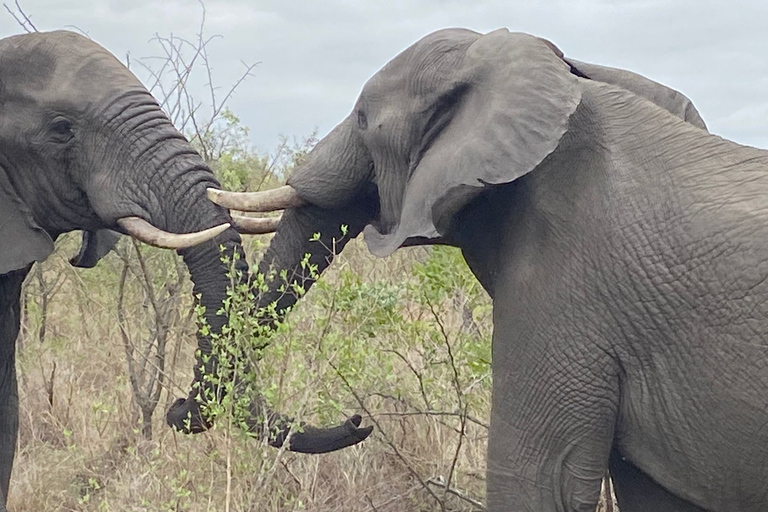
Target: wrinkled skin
624, 247
82, 144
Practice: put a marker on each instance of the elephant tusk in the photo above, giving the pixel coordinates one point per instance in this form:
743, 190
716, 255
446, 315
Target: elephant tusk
255, 226
144, 231
279, 198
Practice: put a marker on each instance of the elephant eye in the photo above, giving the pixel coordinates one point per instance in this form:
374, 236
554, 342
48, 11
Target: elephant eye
61, 130
362, 121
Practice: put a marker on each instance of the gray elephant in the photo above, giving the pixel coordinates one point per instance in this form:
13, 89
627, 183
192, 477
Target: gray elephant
84, 146
625, 249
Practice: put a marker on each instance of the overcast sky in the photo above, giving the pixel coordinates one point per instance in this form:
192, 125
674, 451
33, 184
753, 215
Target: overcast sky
316, 55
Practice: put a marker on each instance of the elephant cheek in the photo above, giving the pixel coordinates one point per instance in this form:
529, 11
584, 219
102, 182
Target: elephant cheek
335, 170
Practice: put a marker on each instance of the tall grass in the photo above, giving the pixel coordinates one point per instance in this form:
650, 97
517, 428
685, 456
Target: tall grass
403, 340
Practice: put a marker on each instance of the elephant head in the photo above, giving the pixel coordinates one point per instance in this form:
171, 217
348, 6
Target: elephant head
84, 146
453, 115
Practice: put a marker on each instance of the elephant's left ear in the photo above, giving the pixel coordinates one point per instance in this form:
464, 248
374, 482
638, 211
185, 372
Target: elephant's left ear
22, 241
667, 98
95, 245
516, 97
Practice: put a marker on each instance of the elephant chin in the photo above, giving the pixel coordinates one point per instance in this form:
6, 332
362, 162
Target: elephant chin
185, 416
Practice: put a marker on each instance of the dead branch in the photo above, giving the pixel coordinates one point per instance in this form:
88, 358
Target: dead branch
439, 481
82, 32
25, 22
459, 394
385, 438
434, 413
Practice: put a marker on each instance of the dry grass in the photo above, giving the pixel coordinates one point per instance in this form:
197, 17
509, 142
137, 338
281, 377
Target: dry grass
81, 446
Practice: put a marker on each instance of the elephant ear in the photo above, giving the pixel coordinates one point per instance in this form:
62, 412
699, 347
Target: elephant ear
516, 97
23, 241
95, 245
665, 97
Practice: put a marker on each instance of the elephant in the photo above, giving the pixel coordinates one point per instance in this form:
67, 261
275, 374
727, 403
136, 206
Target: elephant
619, 241
85, 146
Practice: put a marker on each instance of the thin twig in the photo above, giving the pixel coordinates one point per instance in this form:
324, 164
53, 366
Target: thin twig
440, 482
82, 32
26, 22
386, 439
459, 393
434, 413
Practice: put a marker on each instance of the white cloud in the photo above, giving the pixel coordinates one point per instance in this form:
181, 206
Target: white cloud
315, 56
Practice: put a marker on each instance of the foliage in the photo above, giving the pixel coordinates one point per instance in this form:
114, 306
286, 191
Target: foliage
365, 339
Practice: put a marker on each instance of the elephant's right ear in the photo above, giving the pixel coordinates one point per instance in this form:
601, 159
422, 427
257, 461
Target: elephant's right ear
506, 106
22, 241
95, 245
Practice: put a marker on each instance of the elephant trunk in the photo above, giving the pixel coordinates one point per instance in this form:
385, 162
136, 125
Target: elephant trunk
296, 237
332, 188
315, 229
211, 278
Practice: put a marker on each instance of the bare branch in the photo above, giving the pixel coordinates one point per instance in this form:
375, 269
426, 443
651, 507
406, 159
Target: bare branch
147, 278
386, 439
81, 31
440, 482
434, 413
25, 22
127, 343
459, 393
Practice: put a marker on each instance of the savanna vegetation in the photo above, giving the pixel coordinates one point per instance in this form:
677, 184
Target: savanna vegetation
103, 352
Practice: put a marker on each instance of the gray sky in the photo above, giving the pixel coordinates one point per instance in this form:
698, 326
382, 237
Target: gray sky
316, 55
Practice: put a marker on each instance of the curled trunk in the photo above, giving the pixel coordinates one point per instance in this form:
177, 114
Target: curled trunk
295, 238
210, 277
182, 206
318, 205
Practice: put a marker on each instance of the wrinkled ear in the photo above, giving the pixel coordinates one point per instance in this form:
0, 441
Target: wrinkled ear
95, 245
663, 96
23, 241
517, 96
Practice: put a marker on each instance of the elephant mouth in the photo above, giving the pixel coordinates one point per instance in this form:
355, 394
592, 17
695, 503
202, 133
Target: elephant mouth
287, 197
381, 236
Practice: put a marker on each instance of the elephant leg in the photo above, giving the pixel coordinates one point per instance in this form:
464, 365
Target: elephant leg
637, 492
9, 426
10, 291
552, 424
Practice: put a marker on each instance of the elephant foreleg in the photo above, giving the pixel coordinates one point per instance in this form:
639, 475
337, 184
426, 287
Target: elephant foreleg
637, 492
10, 291
552, 423
9, 426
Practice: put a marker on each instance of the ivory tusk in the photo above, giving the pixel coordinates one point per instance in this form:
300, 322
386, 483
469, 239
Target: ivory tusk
278, 198
144, 231
255, 226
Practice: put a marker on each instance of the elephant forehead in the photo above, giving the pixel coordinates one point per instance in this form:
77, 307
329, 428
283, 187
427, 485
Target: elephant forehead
31, 63
417, 65
20, 69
